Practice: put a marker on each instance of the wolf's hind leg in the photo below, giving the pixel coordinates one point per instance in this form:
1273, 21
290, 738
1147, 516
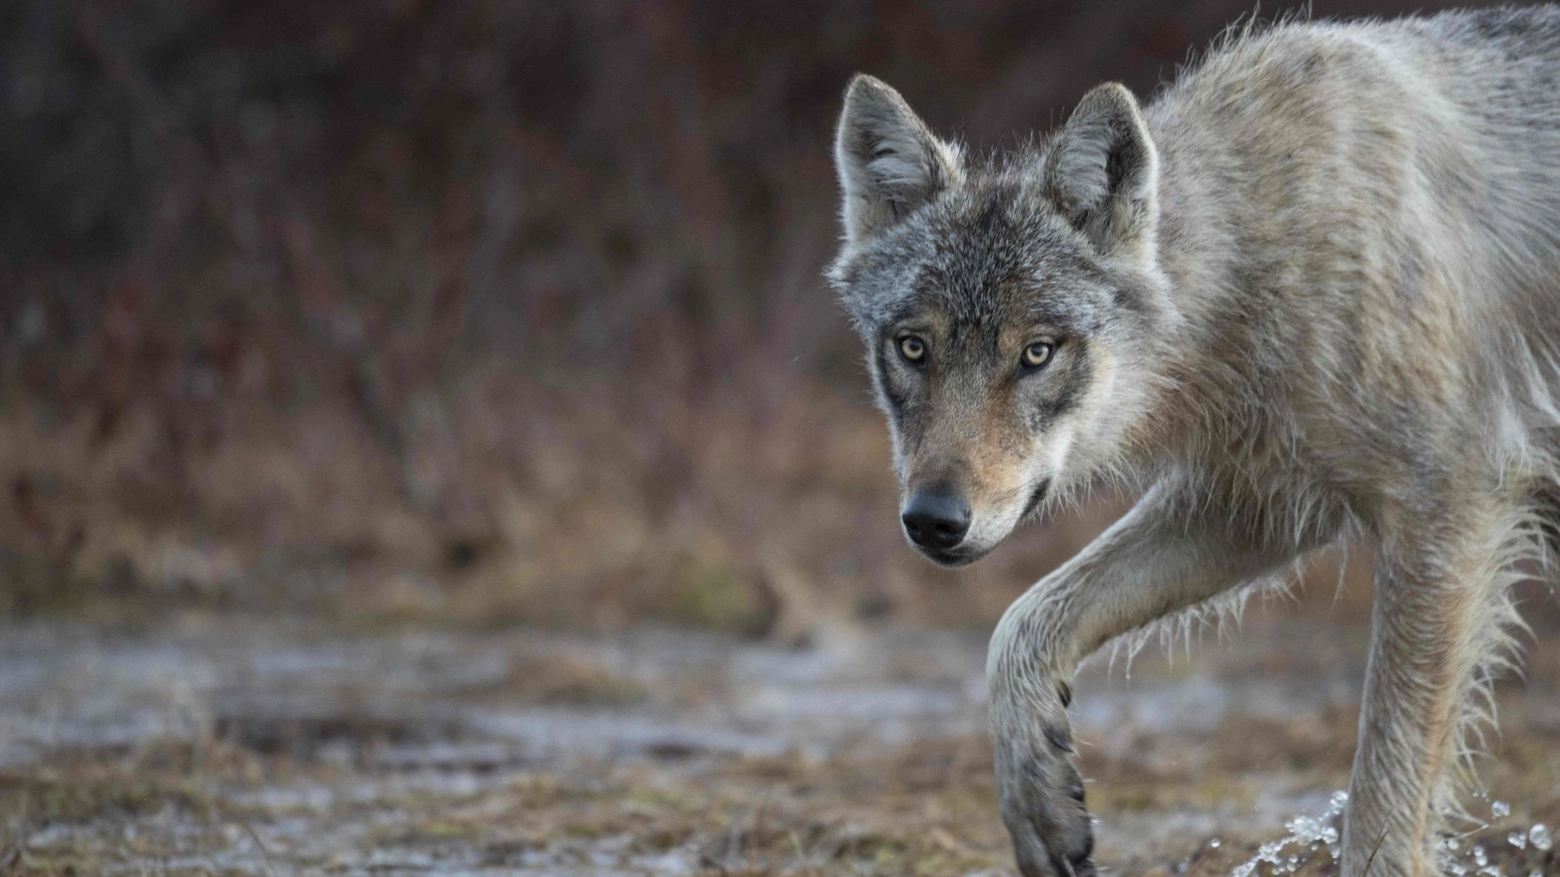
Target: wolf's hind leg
1439, 631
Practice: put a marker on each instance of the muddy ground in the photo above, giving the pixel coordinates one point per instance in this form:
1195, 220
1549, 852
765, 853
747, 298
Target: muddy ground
280, 746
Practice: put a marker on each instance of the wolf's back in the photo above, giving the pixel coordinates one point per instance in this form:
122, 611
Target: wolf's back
1396, 174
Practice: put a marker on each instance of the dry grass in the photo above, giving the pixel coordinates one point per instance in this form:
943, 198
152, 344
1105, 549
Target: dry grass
925, 809
475, 311
568, 753
776, 526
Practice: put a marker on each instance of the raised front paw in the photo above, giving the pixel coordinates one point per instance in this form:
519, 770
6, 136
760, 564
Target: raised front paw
1041, 795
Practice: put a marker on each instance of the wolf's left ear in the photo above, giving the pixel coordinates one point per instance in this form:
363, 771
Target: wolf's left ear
1102, 171
888, 161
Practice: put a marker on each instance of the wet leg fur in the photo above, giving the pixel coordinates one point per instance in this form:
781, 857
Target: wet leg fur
1178, 549
1441, 630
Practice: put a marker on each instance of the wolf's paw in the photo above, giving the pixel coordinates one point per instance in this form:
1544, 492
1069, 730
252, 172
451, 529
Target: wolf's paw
1041, 795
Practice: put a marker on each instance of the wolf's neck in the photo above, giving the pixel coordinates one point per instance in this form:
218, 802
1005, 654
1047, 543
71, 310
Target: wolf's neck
1202, 251
1200, 239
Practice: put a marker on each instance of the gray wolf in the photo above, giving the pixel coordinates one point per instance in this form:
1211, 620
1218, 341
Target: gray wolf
1307, 297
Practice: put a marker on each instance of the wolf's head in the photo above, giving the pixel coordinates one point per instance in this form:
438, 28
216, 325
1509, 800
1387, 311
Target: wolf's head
1010, 309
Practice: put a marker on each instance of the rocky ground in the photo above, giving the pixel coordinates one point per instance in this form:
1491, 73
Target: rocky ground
278, 746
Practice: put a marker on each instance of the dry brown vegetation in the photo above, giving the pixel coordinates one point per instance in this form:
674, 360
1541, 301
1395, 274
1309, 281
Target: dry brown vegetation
476, 310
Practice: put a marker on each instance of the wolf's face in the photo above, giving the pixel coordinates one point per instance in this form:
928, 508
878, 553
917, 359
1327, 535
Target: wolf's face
1008, 312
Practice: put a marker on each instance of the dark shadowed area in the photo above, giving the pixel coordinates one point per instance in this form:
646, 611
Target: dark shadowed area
428, 445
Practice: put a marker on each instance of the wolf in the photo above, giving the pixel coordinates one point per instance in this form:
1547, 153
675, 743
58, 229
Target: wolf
1306, 298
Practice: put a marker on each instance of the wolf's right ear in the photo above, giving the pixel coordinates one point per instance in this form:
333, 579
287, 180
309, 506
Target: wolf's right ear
1102, 171
888, 161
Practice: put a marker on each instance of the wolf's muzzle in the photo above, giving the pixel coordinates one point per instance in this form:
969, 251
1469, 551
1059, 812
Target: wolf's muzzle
936, 519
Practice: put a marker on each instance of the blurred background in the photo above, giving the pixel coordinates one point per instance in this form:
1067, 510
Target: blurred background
400, 315
480, 310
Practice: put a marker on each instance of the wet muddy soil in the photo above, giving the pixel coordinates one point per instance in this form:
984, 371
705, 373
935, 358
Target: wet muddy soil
276, 746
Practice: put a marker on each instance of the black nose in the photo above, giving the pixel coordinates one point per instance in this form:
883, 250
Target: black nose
936, 518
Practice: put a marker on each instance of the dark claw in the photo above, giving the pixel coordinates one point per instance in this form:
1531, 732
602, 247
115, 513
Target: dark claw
1077, 866
1043, 806
1064, 691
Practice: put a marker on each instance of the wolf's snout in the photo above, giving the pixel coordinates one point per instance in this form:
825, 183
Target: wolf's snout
936, 519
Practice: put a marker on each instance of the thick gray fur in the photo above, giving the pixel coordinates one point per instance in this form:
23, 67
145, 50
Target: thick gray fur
1307, 297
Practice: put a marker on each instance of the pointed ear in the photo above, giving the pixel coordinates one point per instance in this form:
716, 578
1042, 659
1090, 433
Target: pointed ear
1102, 171
889, 162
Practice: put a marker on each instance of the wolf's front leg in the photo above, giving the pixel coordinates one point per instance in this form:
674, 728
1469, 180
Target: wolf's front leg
1438, 629
1172, 551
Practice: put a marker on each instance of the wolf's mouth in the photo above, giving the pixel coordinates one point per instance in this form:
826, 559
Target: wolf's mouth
1035, 498
951, 558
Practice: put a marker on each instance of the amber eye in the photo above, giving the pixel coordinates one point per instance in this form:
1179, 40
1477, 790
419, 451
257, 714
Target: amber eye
1038, 354
912, 348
